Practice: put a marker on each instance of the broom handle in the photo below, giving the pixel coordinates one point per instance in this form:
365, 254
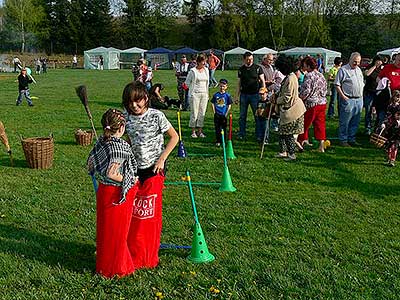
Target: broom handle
230, 128
94, 129
196, 219
179, 125
266, 131
223, 147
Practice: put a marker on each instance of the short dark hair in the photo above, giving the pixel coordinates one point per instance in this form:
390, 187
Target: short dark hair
338, 60
285, 64
247, 54
134, 92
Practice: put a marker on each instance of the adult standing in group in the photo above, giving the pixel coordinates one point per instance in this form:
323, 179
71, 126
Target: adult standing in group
17, 64
181, 72
392, 73
291, 108
251, 78
331, 78
268, 69
213, 63
371, 74
350, 85
197, 82
313, 93
74, 61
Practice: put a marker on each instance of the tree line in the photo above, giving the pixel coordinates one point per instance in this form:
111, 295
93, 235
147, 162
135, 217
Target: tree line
72, 26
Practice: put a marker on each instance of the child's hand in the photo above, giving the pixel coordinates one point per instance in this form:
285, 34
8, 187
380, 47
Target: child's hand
159, 166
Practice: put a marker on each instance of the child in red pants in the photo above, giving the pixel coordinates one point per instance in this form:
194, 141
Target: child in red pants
114, 164
145, 128
391, 128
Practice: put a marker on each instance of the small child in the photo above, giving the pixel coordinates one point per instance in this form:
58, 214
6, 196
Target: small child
391, 127
222, 103
263, 111
23, 87
145, 128
114, 164
149, 77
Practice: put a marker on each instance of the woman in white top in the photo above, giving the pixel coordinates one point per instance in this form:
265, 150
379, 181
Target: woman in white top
197, 82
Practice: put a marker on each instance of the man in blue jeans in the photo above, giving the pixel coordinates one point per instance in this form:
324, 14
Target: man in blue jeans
349, 84
251, 78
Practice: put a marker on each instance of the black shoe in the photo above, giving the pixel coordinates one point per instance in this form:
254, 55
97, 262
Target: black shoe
355, 144
344, 144
18, 104
31, 104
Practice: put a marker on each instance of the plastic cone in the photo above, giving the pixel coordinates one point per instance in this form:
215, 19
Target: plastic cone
229, 150
199, 253
181, 150
226, 182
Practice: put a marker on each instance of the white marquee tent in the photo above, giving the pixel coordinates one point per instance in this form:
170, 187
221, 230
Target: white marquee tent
110, 58
259, 54
130, 56
328, 55
389, 52
233, 58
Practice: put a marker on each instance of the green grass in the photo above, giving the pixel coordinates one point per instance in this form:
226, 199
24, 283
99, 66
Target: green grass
323, 227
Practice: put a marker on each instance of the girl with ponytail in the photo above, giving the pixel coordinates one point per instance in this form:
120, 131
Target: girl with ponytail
113, 163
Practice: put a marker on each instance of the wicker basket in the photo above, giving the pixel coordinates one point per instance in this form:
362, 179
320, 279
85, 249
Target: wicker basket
377, 140
39, 152
84, 138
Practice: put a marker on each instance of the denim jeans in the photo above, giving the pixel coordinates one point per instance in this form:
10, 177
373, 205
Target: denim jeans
333, 99
368, 101
349, 118
213, 81
27, 96
245, 101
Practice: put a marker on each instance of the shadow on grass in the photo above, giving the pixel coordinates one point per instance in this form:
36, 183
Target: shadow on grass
32, 245
68, 143
341, 163
18, 163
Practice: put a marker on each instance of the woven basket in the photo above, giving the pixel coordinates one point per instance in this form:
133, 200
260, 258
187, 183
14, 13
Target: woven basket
39, 152
377, 140
84, 138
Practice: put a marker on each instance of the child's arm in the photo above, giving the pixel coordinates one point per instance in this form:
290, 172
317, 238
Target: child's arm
228, 110
174, 138
113, 172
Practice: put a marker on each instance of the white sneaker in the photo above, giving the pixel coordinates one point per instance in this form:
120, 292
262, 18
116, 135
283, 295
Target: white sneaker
290, 157
194, 135
202, 135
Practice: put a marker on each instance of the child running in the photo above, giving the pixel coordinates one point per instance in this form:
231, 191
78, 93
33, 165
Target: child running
114, 164
391, 128
145, 128
221, 104
23, 87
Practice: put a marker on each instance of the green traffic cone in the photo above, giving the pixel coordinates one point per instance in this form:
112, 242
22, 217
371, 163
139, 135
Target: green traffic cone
199, 253
229, 150
226, 182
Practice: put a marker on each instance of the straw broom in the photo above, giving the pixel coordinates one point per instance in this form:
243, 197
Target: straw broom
4, 140
82, 94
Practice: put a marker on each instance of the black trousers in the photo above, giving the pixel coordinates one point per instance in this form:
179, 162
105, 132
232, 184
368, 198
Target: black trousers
220, 123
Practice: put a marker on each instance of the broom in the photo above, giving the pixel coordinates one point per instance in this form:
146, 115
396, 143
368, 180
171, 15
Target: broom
82, 94
4, 140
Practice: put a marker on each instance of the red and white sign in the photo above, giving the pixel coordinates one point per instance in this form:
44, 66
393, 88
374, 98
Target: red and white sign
144, 206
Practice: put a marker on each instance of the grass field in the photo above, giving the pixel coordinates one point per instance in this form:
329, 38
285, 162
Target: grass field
324, 227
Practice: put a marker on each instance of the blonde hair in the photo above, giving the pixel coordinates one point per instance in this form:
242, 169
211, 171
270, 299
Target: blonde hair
112, 121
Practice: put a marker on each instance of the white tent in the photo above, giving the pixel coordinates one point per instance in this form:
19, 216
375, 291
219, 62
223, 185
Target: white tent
130, 56
259, 54
328, 55
233, 58
110, 58
389, 52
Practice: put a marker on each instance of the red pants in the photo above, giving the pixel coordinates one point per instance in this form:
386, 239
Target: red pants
145, 230
113, 222
392, 152
315, 116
